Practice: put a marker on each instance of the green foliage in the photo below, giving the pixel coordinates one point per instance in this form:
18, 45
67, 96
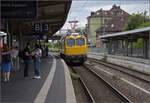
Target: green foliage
138, 44
55, 47
74, 76
46, 44
137, 21
130, 67
116, 76
81, 31
145, 24
104, 59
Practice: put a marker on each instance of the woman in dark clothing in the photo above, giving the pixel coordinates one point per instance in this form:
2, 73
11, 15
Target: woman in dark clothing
6, 63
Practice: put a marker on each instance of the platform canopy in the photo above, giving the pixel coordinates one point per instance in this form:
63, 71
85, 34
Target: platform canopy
34, 17
131, 33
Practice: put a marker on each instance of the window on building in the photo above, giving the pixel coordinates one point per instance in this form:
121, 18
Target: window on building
80, 41
70, 42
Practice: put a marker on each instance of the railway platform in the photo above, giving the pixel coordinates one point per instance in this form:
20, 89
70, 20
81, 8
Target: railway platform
132, 62
55, 85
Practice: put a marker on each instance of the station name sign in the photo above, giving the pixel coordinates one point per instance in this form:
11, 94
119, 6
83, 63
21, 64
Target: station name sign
18, 9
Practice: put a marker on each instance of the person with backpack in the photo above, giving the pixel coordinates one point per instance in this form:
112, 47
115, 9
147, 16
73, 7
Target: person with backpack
6, 63
26, 57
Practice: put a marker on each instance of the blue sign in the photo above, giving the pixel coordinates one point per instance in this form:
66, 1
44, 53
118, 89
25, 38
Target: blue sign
18, 9
105, 41
132, 40
39, 27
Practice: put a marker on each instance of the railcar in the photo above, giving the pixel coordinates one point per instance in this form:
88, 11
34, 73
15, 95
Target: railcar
74, 48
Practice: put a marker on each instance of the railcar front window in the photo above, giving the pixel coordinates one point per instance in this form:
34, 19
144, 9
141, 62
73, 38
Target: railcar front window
70, 42
80, 41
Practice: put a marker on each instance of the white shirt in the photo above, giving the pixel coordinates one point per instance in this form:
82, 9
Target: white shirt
37, 52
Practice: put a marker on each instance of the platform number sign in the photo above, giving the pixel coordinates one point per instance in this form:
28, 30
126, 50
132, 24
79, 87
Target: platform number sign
39, 27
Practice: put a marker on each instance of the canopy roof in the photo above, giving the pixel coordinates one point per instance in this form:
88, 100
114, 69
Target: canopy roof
51, 12
137, 32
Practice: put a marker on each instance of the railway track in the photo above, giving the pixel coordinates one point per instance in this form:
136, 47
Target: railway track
142, 76
98, 89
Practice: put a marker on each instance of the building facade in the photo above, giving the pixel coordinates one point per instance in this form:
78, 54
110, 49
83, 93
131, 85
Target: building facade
105, 21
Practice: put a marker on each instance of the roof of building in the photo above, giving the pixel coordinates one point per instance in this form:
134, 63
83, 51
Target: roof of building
115, 10
130, 32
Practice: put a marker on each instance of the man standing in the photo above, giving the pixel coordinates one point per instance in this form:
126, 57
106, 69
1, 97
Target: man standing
26, 59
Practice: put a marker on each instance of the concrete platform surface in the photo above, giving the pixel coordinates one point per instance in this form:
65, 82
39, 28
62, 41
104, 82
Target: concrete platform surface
136, 63
55, 85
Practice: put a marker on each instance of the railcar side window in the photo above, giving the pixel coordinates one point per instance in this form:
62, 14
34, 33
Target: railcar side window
70, 42
80, 41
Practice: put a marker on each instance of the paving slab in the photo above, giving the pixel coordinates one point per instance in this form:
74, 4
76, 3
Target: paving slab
51, 88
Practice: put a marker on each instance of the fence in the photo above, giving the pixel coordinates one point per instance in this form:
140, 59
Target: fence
97, 50
134, 52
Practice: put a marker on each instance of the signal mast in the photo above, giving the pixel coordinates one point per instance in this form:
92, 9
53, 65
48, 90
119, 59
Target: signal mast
73, 24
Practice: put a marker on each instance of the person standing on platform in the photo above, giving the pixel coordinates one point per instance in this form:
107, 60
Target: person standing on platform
37, 55
6, 63
14, 55
46, 50
26, 58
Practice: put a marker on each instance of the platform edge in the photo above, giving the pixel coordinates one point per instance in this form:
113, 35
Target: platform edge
70, 95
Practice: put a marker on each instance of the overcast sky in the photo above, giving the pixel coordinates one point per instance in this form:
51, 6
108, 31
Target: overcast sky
80, 10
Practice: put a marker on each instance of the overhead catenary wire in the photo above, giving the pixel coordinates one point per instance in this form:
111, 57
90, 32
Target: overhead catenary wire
80, 9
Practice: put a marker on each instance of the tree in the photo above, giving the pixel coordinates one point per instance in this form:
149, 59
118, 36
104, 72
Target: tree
82, 31
137, 21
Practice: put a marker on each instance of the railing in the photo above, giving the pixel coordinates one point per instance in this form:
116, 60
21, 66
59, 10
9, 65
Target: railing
97, 50
135, 52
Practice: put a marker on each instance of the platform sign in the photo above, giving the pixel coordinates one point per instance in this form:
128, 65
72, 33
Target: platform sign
132, 40
13, 9
40, 27
105, 41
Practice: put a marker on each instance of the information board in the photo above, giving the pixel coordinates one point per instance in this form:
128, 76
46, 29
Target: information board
18, 9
